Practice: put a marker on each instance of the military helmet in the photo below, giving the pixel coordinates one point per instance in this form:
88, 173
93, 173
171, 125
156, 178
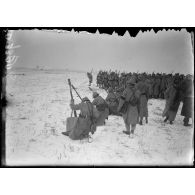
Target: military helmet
85, 99
131, 81
95, 94
110, 89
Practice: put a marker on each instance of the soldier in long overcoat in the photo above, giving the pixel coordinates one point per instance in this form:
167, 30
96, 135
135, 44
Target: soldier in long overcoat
143, 99
150, 86
102, 107
156, 89
112, 101
90, 77
169, 80
187, 98
172, 97
131, 115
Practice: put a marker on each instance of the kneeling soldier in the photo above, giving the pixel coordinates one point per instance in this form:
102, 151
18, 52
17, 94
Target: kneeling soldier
85, 122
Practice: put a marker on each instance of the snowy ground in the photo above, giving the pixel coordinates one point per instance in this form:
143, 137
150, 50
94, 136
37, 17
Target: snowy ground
37, 116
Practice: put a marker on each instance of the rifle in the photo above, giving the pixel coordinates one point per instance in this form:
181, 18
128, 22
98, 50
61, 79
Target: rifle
76, 91
90, 89
69, 83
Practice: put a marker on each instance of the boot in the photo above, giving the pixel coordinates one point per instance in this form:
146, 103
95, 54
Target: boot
146, 120
126, 132
186, 121
140, 122
171, 122
132, 131
187, 125
65, 133
132, 134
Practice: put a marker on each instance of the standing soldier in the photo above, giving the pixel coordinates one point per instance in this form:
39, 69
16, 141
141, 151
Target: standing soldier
157, 86
112, 102
151, 89
150, 86
162, 86
102, 107
169, 81
143, 99
130, 116
119, 92
105, 80
117, 80
187, 98
98, 79
172, 96
110, 79
90, 77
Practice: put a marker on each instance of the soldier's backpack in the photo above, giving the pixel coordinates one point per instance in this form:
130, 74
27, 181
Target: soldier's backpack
81, 129
71, 123
133, 99
102, 107
123, 105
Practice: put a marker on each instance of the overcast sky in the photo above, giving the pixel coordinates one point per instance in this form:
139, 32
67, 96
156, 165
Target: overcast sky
165, 51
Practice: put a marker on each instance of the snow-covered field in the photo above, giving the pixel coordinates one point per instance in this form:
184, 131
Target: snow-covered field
36, 116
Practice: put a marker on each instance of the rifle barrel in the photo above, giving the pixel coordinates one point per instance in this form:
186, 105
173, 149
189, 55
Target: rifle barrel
76, 91
69, 83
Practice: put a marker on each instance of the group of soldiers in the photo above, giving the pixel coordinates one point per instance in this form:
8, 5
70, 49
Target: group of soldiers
128, 95
157, 82
90, 77
173, 88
